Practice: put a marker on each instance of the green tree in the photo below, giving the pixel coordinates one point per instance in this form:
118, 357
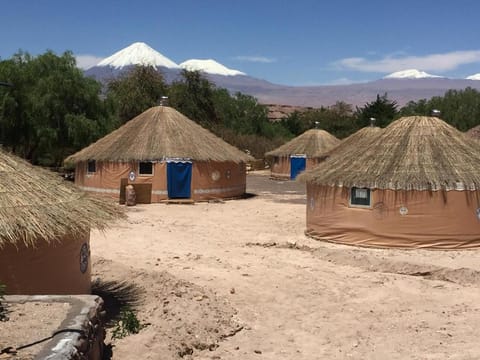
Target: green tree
420, 107
297, 123
460, 108
383, 110
50, 107
136, 91
337, 119
193, 97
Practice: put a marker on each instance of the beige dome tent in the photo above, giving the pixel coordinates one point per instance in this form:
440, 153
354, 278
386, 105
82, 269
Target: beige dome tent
44, 230
164, 155
300, 153
417, 185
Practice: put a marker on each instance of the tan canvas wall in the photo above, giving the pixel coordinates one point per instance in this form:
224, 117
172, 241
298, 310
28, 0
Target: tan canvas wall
443, 220
280, 167
212, 180
107, 178
209, 179
54, 268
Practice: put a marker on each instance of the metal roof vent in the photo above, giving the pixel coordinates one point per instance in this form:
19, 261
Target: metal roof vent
317, 124
436, 113
372, 122
164, 101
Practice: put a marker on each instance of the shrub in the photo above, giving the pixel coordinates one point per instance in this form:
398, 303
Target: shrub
127, 324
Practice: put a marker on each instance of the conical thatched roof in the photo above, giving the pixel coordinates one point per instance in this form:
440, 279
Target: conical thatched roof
38, 204
412, 153
362, 139
158, 133
474, 132
312, 143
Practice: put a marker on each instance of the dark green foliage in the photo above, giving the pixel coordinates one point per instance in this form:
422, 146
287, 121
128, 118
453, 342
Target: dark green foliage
296, 124
136, 91
244, 115
255, 145
415, 108
193, 97
51, 106
338, 120
127, 324
238, 119
460, 108
383, 110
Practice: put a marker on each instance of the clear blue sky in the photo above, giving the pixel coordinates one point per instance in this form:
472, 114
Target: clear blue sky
302, 42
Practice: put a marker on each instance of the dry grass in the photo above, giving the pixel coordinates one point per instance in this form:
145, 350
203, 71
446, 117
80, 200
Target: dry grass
313, 143
38, 204
158, 133
412, 153
474, 132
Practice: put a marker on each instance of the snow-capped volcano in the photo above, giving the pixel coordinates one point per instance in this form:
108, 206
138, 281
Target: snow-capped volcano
138, 53
209, 66
473, 77
410, 74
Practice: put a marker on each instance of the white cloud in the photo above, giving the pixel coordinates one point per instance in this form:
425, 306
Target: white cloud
87, 61
258, 59
433, 62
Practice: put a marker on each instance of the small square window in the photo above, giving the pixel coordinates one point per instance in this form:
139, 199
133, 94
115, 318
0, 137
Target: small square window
91, 166
145, 168
360, 197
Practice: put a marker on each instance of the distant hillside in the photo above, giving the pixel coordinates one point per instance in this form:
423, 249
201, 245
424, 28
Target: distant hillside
402, 86
400, 90
278, 112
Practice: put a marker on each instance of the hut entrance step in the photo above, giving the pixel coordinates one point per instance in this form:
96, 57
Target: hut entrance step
178, 201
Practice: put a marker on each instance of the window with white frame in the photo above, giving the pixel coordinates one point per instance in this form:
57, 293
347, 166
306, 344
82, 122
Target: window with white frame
360, 197
91, 166
145, 168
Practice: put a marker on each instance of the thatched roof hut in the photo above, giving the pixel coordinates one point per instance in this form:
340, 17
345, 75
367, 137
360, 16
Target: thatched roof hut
159, 136
417, 184
413, 153
474, 132
361, 139
44, 222
300, 153
160, 132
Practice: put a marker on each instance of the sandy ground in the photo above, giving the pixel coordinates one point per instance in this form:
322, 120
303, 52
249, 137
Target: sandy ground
240, 280
27, 323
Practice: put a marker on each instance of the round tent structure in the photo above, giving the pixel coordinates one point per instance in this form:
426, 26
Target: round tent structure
163, 155
416, 185
45, 230
474, 132
300, 153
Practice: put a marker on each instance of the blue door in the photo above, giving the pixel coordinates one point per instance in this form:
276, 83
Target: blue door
179, 179
297, 165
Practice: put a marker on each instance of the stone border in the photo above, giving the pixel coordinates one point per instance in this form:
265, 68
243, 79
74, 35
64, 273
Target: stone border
85, 320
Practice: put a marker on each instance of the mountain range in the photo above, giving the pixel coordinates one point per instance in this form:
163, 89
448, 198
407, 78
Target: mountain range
402, 86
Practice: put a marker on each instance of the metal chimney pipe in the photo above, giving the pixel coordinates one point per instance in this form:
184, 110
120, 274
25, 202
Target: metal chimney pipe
164, 101
372, 122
